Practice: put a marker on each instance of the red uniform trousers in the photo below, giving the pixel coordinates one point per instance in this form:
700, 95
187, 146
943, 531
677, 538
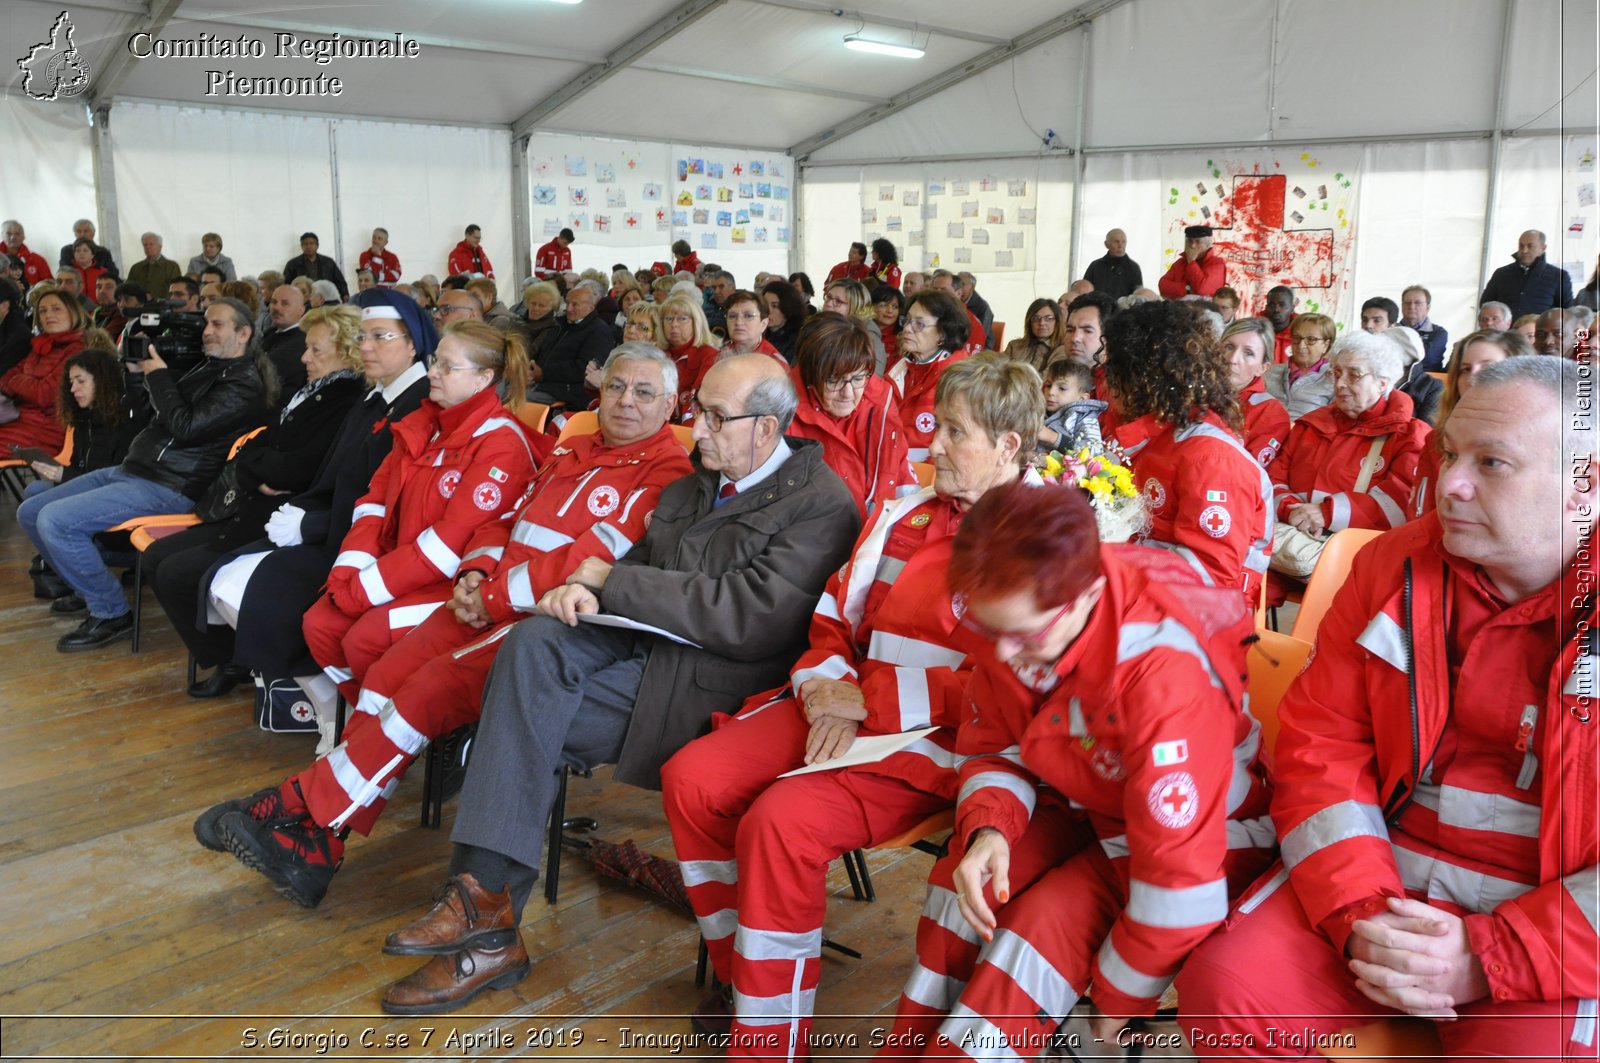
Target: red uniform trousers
1267, 984
418, 691
346, 646
755, 852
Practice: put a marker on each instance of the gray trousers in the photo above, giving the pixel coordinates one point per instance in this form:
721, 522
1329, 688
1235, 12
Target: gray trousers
555, 694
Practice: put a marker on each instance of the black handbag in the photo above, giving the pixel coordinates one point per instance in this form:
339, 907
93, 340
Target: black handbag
221, 499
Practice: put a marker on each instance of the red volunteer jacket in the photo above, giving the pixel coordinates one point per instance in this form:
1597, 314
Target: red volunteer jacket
468, 259
845, 271
1207, 499
1266, 422
551, 259
449, 473
885, 624
1203, 276
1140, 724
1322, 461
706, 363
914, 384
867, 449
589, 500
1282, 341
385, 267
692, 364
1369, 714
34, 267
689, 262
34, 382
885, 272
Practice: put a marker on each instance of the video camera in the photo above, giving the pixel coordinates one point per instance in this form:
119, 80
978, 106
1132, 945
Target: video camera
177, 334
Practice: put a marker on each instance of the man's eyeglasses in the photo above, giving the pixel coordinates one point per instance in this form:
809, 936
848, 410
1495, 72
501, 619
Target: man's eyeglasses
379, 337
447, 308
1032, 640
854, 382
643, 393
715, 419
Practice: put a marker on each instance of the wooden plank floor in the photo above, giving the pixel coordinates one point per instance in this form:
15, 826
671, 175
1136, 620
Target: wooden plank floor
121, 938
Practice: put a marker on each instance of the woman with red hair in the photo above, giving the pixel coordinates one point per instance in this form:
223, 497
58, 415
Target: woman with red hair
1107, 706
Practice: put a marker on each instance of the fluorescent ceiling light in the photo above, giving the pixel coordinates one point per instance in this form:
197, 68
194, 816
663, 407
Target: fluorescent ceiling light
862, 44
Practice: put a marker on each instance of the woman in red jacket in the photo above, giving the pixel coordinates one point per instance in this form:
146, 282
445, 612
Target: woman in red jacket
852, 413
934, 338
31, 385
459, 462
83, 262
690, 343
1351, 463
1247, 349
1206, 495
885, 263
1471, 353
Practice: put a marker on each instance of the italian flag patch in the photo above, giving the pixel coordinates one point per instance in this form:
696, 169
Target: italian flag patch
1216, 496
1165, 753
497, 474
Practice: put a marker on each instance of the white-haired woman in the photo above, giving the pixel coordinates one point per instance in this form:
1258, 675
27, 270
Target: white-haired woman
1351, 463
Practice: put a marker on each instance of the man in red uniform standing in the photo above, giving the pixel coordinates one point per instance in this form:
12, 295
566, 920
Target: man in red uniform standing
555, 257
1436, 769
1197, 271
469, 255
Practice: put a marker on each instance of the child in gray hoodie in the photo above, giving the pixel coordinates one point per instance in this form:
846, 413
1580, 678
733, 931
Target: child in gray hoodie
1071, 418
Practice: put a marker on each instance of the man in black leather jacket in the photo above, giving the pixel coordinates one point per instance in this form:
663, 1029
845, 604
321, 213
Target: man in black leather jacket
194, 422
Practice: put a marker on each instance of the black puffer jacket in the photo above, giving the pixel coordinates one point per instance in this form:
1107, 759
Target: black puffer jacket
195, 421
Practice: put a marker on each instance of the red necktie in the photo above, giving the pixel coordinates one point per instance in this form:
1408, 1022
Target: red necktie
727, 492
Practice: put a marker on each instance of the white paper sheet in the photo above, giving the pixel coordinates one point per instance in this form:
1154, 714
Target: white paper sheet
868, 750
612, 620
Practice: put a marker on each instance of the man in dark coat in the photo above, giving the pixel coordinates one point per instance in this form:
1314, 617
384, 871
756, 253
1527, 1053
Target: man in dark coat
1114, 272
1529, 284
734, 561
586, 336
315, 267
83, 229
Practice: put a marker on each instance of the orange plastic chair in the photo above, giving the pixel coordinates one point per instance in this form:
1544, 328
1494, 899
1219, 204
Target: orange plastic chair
997, 337
1440, 377
685, 436
11, 468
1333, 565
533, 415
1273, 663
924, 471
142, 531
581, 423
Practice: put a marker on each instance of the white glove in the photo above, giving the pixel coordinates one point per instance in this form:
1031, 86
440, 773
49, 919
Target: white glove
283, 527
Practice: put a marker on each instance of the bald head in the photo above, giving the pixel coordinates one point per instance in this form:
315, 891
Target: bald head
745, 404
1117, 243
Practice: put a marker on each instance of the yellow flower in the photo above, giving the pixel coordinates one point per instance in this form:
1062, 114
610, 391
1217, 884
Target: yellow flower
1052, 467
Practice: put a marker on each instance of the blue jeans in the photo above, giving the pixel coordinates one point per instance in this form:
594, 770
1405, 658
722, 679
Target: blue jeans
63, 521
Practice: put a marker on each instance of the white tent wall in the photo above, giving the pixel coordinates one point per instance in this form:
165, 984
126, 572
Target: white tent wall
47, 180
260, 179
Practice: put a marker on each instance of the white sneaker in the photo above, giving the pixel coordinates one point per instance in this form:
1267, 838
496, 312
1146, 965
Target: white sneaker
325, 743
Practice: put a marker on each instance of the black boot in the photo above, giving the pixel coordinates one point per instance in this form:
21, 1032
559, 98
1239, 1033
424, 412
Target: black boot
47, 586
220, 682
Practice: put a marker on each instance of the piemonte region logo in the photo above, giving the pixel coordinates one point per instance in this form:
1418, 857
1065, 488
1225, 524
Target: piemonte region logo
55, 69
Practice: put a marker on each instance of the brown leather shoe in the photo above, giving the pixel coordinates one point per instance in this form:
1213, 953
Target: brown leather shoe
465, 916
446, 983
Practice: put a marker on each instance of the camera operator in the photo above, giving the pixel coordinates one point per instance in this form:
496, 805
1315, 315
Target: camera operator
195, 418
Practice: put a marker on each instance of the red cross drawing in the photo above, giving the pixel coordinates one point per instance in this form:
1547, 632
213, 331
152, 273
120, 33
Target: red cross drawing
1259, 251
1175, 800
660, 215
737, 169
632, 221
1217, 523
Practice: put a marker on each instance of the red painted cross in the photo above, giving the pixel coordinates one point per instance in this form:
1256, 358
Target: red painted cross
1259, 251
632, 221
660, 214
1175, 800
737, 169
1217, 522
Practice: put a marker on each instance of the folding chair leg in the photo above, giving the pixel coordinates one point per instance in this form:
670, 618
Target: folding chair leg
552, 859
855, 881
701, 962
855, 865
194, 670
138, 598
432, 786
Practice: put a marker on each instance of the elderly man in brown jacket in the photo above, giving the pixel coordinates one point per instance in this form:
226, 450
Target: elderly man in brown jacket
734, 560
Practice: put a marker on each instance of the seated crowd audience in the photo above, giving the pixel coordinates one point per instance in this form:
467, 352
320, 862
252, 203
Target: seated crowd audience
1039, 567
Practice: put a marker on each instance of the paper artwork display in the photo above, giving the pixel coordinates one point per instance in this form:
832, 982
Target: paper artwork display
969, 208
980, 236
616, 197
652, 192
1003, 260
956, 230
996, 216
544, 195
893, 224
911, 198
962, 256
604, 173
578, 197
1016, 189
886, 193
1015, 239
577, 166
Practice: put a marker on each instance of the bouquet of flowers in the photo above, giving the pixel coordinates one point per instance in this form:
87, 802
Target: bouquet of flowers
1104, 475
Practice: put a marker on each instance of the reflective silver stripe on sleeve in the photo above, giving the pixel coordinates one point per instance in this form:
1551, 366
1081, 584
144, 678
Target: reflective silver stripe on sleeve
1177, 909
944, 758
613, 540
1583, 1024
1032, 973
408, 616
1136, 639
1442, 881
931, 989
1331, 825
1584, 889
1584, 677
496, 552
1392, 510
915, 653
519, 588
1003, 780
828, 606
833, 667
917, 453
699, 872
1385, 640
1127, 979
372, 583
354, 559
1257, 833
1421, 496
719, 924
911, 691
399, 730
1338, 511
439, 555
337, 674
1188, 555
1474, 810
368, 509
755, 944
526, 533
889, 569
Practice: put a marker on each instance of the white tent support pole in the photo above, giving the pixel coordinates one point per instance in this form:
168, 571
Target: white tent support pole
664, 28
1272, 73
1496, 140
325, 116
1049, 31
333, 178
1080, 163
105, 182
796, 227
1002, 156
120, 66
521, 233
758, 81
